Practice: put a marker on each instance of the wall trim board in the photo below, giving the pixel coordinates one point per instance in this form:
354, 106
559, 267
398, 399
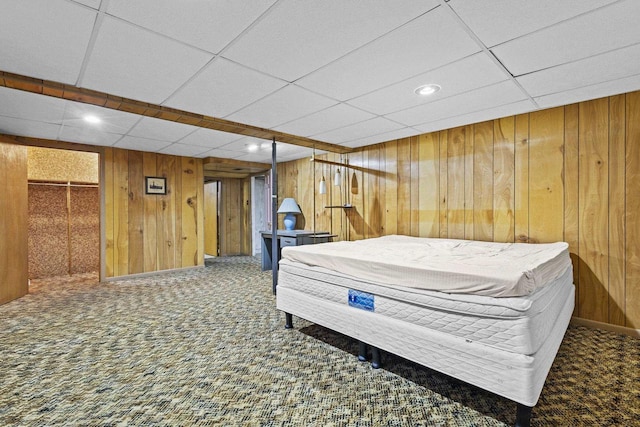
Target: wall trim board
606, 327
151, 274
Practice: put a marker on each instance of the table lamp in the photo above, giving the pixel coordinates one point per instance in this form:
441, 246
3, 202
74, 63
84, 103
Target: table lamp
289, 207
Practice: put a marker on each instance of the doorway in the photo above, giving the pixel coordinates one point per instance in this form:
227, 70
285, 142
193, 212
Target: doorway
211, 219
259, 215
63, 214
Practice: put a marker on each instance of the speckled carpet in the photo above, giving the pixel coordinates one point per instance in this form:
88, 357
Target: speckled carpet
207, 347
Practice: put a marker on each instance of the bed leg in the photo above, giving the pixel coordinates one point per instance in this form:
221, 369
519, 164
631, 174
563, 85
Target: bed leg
523, 415
362, 351
288, 321
376, 362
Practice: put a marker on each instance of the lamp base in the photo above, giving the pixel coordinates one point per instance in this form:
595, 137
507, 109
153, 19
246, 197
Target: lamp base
289, 221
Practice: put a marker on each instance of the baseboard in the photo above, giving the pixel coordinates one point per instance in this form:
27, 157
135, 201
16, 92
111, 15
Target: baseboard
150, 273
606, 326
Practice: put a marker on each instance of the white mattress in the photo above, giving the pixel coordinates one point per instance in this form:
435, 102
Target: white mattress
447, 265
515, 324
514, 376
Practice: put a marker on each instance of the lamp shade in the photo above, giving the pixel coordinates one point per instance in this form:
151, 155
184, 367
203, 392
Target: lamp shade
337, 179
289, 205
323, 186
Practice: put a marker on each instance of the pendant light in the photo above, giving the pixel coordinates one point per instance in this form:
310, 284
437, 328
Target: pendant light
323, 186
337, 179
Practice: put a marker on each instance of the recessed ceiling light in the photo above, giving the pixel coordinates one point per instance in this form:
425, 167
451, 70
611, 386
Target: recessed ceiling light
426, 90
91, 119
253, 147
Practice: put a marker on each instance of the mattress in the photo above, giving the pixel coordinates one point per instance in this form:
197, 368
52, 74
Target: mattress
447, 265
512, 375
514, 324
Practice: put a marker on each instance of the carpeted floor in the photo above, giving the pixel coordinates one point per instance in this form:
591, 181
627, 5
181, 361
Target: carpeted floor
207, 347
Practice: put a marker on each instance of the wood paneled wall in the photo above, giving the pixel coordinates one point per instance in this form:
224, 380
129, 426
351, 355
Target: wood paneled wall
570, 173
146, 233
13, 222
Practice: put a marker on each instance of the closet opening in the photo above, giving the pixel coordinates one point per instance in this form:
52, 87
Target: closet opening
63, 217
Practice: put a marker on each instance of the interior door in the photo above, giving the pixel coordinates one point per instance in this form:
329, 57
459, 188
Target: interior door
14, 266
211, 218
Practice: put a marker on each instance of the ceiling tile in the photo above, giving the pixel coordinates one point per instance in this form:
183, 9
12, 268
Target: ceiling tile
223, 154
383, 137
328, 119
461, 76
288, 103
207, 24
296, 37
86, 135
148, 70
30, 128
45, 39
585, 93
608, 28
149, 127
209, 138
495, 95
91, 3
178, 149
141, 144
497, 21
222, 88
359, 130
112, 121
429, 42
608, 66
478, 116
30, 106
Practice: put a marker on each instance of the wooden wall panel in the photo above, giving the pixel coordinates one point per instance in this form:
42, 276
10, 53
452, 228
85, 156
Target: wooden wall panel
121, 212
189, 201
149, 168
13, 222
570, 173
443, 182
390, 188
617, 200
166, 223
593, 207
428, 185
483, 181
136, 212
571, 192
546, 162
468, 182
521, 179
373, 207
455, 183
632, 210
503, 180
404, 186
109, 212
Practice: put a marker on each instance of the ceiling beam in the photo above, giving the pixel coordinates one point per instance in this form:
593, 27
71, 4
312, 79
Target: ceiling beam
101, 99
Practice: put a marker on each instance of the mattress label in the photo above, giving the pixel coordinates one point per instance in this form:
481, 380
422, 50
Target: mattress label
361, 300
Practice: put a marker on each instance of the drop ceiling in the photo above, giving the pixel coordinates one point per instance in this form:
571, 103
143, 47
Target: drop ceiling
341, 72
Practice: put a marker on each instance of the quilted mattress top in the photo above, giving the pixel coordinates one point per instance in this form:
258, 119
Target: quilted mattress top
445, 265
